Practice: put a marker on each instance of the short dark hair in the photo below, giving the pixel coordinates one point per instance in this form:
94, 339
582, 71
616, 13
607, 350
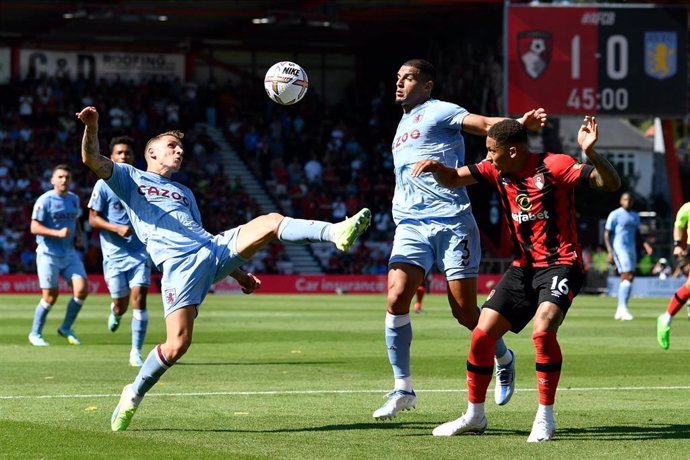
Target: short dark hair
426, 69
121, 140
507, 132
64, 167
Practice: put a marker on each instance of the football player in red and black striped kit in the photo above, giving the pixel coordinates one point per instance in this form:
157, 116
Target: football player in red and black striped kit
537, 197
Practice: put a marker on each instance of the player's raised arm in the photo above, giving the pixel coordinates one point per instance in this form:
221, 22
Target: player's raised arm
444, 175
604, 177
90, 150
479, 125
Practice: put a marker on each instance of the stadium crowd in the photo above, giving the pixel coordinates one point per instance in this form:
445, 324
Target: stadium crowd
317, 161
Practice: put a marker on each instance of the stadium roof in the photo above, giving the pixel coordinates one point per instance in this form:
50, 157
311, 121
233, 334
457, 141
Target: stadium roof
185, 24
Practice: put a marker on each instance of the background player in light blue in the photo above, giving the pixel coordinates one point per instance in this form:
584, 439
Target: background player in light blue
166, 219
621, 238
434, 225
125, 260
54, 222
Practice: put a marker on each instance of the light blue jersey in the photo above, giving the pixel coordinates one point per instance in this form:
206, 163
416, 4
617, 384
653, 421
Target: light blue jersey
623, 226
114, 246
164, 213
56, 212
429, 131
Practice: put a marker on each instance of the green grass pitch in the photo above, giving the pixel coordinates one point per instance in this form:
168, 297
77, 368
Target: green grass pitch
299, 377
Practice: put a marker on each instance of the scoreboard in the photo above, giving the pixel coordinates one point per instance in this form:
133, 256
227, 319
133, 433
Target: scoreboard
625, 60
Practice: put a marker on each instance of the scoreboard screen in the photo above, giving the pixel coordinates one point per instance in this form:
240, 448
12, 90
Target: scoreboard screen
627, 60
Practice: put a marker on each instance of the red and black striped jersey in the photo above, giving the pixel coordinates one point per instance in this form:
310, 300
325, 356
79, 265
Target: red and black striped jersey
539, 202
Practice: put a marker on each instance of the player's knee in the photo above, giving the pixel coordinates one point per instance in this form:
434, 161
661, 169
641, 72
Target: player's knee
50, 299
273, 220
177, 347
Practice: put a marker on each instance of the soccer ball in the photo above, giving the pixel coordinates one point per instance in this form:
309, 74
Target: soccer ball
286, 83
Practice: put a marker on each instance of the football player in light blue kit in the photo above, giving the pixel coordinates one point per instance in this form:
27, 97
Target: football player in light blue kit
54, 222
620, 236
125, 261
434, 225
166, 219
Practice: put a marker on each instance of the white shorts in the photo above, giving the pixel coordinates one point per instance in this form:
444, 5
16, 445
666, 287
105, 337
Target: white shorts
451, 243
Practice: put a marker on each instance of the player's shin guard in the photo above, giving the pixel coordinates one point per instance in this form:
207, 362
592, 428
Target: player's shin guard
154, 367
300, 231
73, 309
548, 365
398, 341
140, 320
480, 365
679, 299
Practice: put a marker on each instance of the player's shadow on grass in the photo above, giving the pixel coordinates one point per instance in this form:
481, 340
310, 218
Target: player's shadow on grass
619, 433
259, 363
426, 428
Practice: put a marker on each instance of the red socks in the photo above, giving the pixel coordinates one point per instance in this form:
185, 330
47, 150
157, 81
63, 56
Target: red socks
480, 365
549, 361
678, 300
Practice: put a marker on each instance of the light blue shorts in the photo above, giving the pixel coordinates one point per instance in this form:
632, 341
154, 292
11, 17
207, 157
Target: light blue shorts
625, 259
187, 279
50, 267
453, 244
123, 274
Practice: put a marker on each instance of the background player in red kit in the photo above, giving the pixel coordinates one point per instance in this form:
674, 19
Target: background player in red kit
536, 191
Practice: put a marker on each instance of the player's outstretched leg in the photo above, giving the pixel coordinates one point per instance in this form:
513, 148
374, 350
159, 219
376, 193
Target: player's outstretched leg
346, 232
301, 231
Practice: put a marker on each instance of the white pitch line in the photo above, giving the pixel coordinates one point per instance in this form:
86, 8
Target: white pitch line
324, 392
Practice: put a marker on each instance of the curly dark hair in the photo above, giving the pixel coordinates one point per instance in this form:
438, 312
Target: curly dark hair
121, 140
508, 132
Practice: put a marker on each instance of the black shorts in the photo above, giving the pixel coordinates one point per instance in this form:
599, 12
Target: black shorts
521, 290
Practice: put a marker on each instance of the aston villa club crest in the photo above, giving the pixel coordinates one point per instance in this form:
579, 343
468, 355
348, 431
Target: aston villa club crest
417, 118
539, 181
169, 296
660, 54
534, 51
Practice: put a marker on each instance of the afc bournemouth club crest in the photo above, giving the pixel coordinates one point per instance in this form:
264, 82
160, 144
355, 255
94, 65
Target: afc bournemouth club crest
169, 296
534, 51
660, 54
539, 181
